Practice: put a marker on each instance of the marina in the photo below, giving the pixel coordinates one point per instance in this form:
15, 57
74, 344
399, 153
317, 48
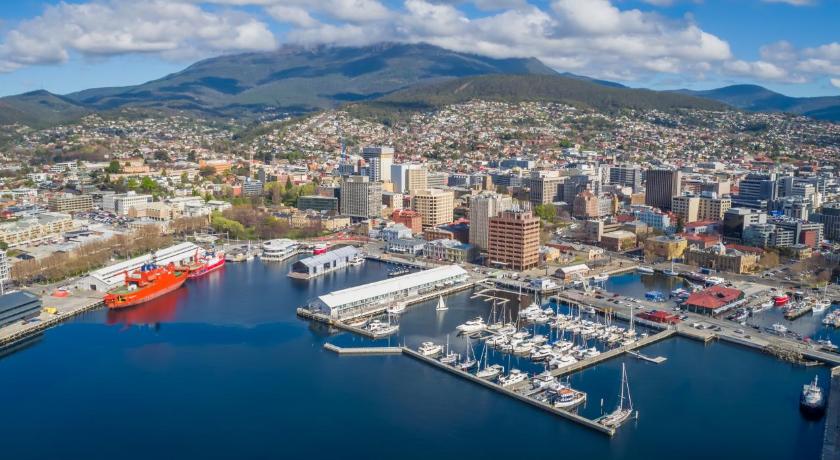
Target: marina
209, 336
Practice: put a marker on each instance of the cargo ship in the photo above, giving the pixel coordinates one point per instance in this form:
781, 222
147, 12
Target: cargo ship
211, 261
145, 284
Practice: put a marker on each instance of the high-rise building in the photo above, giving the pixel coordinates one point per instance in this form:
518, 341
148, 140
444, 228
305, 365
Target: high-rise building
712, 208
408, 177
545, 187
514, 240
829, 216
687, 207
435, 206
360, 197
71, 203
756, 190
585, 205
121, 203
437, 179
735, 220
379, 161
482, 208
661, 185
626, 176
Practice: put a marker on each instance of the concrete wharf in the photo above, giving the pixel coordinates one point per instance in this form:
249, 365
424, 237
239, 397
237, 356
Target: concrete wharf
512, 394
363, 351
68, 307
831, 441
613, 353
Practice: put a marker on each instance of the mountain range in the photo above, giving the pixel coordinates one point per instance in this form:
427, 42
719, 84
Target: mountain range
298, 80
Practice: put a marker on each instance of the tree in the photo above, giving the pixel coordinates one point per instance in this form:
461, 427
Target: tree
680, 225
191, 156
184, 178
113, 167
289, 184
148, 185
132, 184
546, 212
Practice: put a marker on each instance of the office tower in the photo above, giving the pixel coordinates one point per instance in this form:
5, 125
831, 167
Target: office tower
409, 178
482, 208
713, 208
687, 207
756, 190
435, 206
626, 176
661, 186
545, 187
379, 161
829, 216
735, 220
360, 197
514, 240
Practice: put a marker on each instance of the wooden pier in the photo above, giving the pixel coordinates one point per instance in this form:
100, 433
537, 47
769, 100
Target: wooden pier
512, 394
363, 351
656, 360
831, 441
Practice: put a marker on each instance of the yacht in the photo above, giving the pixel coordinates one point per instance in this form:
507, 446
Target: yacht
543, 380
671, 271
430, 349
542, 353
450, 358
559, 362
490, 372
379, 328
472, 326
625, 404
568, 398
469, 361
357, 260
441, 305
645, 270
523, 348
515, 376
820, 305
826, 344
811, 401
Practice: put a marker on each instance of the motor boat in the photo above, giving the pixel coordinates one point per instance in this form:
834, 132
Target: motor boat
812, 401
780, 328
472, 326
514, 377
396, 308
430, 349
568, 398
490, 372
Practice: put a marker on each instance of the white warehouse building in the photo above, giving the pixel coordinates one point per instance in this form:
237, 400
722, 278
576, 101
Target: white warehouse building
114, 275
359, 300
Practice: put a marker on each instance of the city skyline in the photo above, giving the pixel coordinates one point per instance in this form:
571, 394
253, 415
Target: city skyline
660, 44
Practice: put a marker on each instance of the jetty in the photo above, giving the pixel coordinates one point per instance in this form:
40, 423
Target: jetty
583, 421
613, 353
64, 309
363, 351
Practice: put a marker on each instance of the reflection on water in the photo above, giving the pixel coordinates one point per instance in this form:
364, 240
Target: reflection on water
153, 312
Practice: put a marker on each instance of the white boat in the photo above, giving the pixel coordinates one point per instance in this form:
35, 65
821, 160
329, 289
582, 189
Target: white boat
441, 305
568, 398
358, 260
714, 280
826, 344
476, 325
589, 310
625, 404
469, 361
562, 361
396, 308
542, 353
430, 349
490, 372
515, 376
781, 329
450, 357
543, 380
379, 328
671, 271
820, 305
600, 278
645, 270
523, 348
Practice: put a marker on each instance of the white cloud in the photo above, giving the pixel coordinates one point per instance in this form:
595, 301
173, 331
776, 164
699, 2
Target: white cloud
104, 28
793, 2
291, 14
835, 82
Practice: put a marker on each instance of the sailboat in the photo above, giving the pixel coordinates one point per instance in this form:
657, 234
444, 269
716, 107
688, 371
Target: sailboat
450, 357
441, 305
671, 271
489, 372
621, 413
469, 361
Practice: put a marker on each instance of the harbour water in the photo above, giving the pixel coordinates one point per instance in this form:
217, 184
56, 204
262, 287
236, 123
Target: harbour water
224, 369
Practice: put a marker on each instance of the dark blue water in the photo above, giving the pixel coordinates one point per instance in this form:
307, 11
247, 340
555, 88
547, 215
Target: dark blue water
224, 369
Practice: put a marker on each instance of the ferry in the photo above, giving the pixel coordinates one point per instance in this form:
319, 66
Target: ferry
780, 300
812, 401
145, 284
211, 262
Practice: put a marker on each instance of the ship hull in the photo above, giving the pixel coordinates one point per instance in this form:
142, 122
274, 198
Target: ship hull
145, 294
206, 269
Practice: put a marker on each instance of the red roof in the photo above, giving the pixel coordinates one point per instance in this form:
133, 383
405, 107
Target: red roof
713, 297
742, 248
700, 237
701, 223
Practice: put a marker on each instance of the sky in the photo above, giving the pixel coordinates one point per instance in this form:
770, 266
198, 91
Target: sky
790, 46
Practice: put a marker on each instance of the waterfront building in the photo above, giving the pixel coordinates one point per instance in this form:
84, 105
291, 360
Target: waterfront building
714, 300
482, 207
411, 246
435, 206
409, 218
318, 203
379, 161
450, 250
665, 248
514, 240
618, 240
121, 203
572, 272
721, 258
114, 275
17, 306
459, 231
70, 203
360, 198
278, 250
321, 264
359, 300
36, 229
661, 186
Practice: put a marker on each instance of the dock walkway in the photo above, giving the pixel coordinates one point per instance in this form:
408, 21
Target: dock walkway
610, 354
512, 394
831, 442
14, 333
363, 351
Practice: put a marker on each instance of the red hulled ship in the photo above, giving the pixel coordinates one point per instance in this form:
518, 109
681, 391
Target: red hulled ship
147, 283
211, 261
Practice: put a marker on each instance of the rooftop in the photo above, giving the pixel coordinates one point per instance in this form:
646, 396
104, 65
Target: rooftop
713, 297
